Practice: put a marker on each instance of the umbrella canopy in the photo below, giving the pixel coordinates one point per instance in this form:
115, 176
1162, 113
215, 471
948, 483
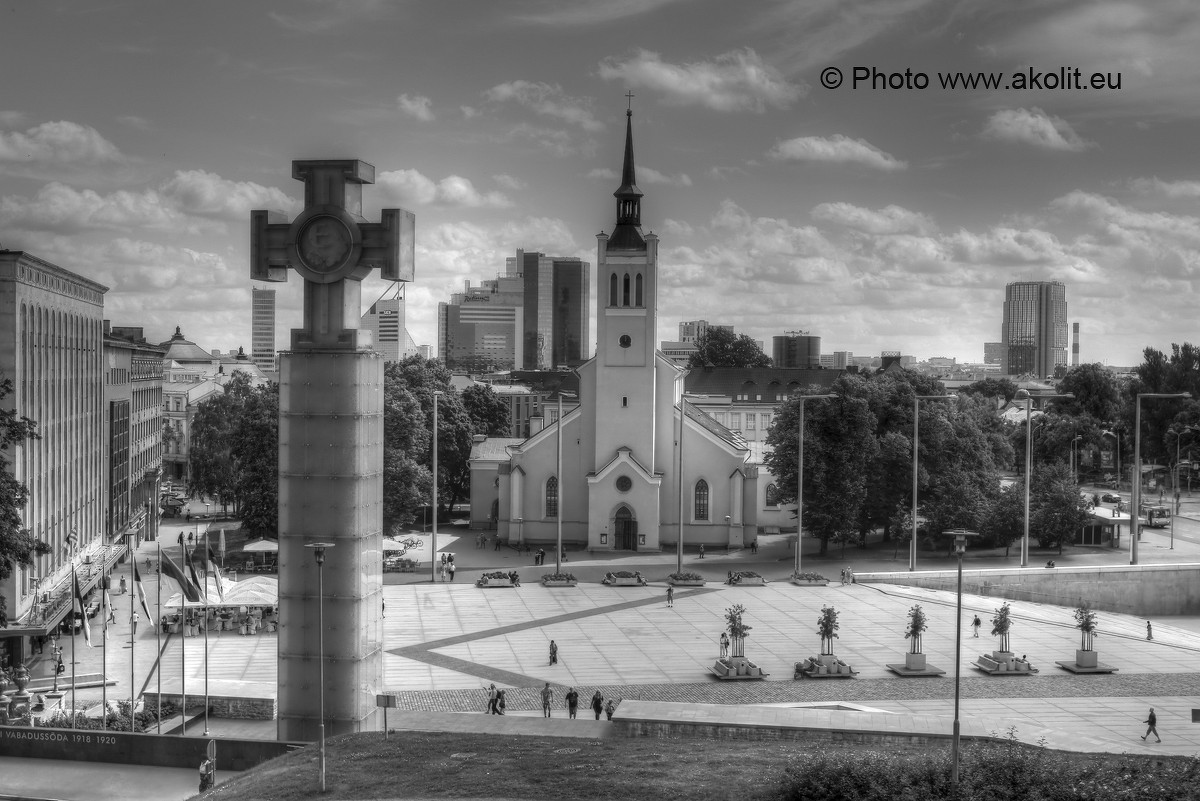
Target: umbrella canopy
261, 545
177, 601
390, 544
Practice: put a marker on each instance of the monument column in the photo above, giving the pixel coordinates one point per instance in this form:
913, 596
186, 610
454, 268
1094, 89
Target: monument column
330, 447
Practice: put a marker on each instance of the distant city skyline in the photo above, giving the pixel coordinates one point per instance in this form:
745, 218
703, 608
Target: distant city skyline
878, 219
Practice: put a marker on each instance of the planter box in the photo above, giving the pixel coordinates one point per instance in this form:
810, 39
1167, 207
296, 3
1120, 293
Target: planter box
914, 661
1003, 657
1087, 659
687, 582
493, 582
558, 583
749, 581
624, 581
828, 660
809, 583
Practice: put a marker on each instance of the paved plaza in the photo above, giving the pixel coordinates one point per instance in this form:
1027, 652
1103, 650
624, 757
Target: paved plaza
446, 642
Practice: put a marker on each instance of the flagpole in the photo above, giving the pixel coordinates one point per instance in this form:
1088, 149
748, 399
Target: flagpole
135, 595
183, 645
74, 602
204, 623
158, 627
104, 657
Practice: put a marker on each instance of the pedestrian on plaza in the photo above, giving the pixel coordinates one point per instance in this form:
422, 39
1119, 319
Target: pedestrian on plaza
207, 774
1149, 631
547, 700
849, 574
492, 696
572, 703
1151, 722
112, 613
597, 704
754, 545
702, 550
450, 570
975, 624
843, 576
497, 543
609, 708
564, 553
670, 596
724, 644
553, 652
133, 621
383, 608
500, 702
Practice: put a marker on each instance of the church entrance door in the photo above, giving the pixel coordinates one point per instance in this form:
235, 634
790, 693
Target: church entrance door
626, 530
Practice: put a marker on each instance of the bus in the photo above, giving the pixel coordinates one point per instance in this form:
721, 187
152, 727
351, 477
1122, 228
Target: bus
1158, 516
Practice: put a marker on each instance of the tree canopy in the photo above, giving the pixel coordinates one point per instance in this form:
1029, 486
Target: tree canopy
720, 347
18, 546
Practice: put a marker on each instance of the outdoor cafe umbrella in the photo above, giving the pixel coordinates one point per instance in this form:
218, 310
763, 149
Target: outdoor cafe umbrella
390, 544
263, 546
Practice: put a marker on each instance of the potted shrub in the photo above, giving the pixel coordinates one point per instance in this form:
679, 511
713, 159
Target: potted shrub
558, 580
809, 580
914, 659
624, 578
744, 578
827, 626
736, 665
686, 579
1085, 621
1001, 624
497, 579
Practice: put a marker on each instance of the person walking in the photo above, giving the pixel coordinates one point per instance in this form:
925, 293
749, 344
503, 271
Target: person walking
702, 550
1149, 631
208, 772
1152, 722
843, 576
670, 596
572, 703
975, 624
112, 612
133, 621
492, 697
609, 707
597, 704
553, 653
500, 701
754, 545
724, 644
547, 700
442, 570
450, 570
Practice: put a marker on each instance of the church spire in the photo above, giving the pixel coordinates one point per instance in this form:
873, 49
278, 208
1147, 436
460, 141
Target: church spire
628, 233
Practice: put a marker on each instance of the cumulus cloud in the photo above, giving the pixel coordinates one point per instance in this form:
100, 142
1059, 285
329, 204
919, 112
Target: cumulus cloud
57, 143
411, 187
735, 81
554, 140
888, 220
206, 194
1171, 189
590, 12
469, 112
837, 149
417, 106
1034, 127
58, 207
548, 100
509, 182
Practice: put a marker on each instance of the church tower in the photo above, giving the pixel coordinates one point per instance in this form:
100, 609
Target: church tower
627, 322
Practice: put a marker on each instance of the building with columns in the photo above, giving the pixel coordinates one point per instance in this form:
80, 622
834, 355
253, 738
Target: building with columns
633, 455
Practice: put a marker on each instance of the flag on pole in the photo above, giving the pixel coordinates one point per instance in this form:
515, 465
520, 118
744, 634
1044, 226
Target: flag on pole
216, 574
72, 541
106, 610
140, 590
87, 630
172, 570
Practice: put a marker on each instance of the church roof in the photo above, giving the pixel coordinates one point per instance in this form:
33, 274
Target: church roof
772, 383
493, 449
713, 427
185, 351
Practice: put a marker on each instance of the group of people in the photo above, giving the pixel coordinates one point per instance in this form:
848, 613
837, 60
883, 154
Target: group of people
447, 568
599, 705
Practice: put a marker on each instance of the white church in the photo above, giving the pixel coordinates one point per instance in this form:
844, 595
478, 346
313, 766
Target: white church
616, 485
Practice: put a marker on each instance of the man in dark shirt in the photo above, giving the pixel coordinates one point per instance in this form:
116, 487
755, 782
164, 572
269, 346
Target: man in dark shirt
572, 703
1151, 721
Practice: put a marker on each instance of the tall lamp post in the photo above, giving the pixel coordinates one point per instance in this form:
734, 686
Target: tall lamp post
561, 484
433, 560
1136, 484
800, 476
1175, 483
912, 555
1024, 395
318, 549
1117, 436
960, 547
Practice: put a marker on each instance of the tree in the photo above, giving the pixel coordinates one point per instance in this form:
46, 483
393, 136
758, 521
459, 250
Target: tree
1004, 523
992, 388
1056, 510
1180, 372
720, 347
256, 453
1097, 393
214, 471
406, 438
17, 544
489, 415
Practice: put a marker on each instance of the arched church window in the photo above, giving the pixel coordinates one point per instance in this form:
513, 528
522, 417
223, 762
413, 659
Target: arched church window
612, 290
552, 497
701, 500
772, 495
637, 300
625, 291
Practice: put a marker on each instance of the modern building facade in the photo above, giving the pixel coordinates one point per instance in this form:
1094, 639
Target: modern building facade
557, 295
993, 352
1034, 332
385, 321
796, 350
51, 348
262, 328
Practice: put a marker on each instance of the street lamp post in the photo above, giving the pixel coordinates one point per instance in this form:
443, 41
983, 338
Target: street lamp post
960, 547
318, 549
1024, 395
1117, 436
561, 483
800, 476
912, 555
1175, 482
1135, 497
433, 560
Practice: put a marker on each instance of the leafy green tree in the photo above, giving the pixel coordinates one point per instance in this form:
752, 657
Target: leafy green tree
489, 414
1097, 392
407, 436
1179, 372
719, 347
256, 453
1005, 520
17, 544
1057, 511
992, 388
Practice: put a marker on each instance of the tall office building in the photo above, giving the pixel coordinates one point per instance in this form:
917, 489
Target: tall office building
797, 349
1034, 332
262, 328
992, 352
481, 329
556, 297
385, 321
694, 330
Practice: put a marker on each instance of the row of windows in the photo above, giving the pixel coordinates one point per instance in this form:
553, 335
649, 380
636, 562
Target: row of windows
624, 296
733, 420
700, 499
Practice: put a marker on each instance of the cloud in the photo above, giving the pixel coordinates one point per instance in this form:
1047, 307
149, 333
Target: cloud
592, 12
206, 194
1171, 189
1033, 127
645, 175
410, 187
134, 121
61, 208
555, 140
11, 119
735, 81
509, 182
837, 149
416, 106
469, 112
547, 100
56, 143
889, 220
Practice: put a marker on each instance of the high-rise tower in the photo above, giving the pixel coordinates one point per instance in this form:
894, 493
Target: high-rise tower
262, 328
1034, 332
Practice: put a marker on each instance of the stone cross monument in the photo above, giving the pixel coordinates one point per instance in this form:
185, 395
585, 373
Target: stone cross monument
330, 448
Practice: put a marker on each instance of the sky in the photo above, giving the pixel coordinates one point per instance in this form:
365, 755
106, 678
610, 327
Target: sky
887, 212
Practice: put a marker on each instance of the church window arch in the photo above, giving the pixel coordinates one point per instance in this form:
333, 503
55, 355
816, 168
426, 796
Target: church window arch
612, 290
701, 504
772, 495
637, 294
625, 291
552, 497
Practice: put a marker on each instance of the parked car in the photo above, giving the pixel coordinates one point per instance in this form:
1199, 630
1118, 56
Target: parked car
1110, 497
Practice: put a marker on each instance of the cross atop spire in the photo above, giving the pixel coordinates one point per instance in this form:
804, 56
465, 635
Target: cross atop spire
629, 100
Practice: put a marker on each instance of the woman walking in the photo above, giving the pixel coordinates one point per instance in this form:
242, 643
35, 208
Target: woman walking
597, 704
